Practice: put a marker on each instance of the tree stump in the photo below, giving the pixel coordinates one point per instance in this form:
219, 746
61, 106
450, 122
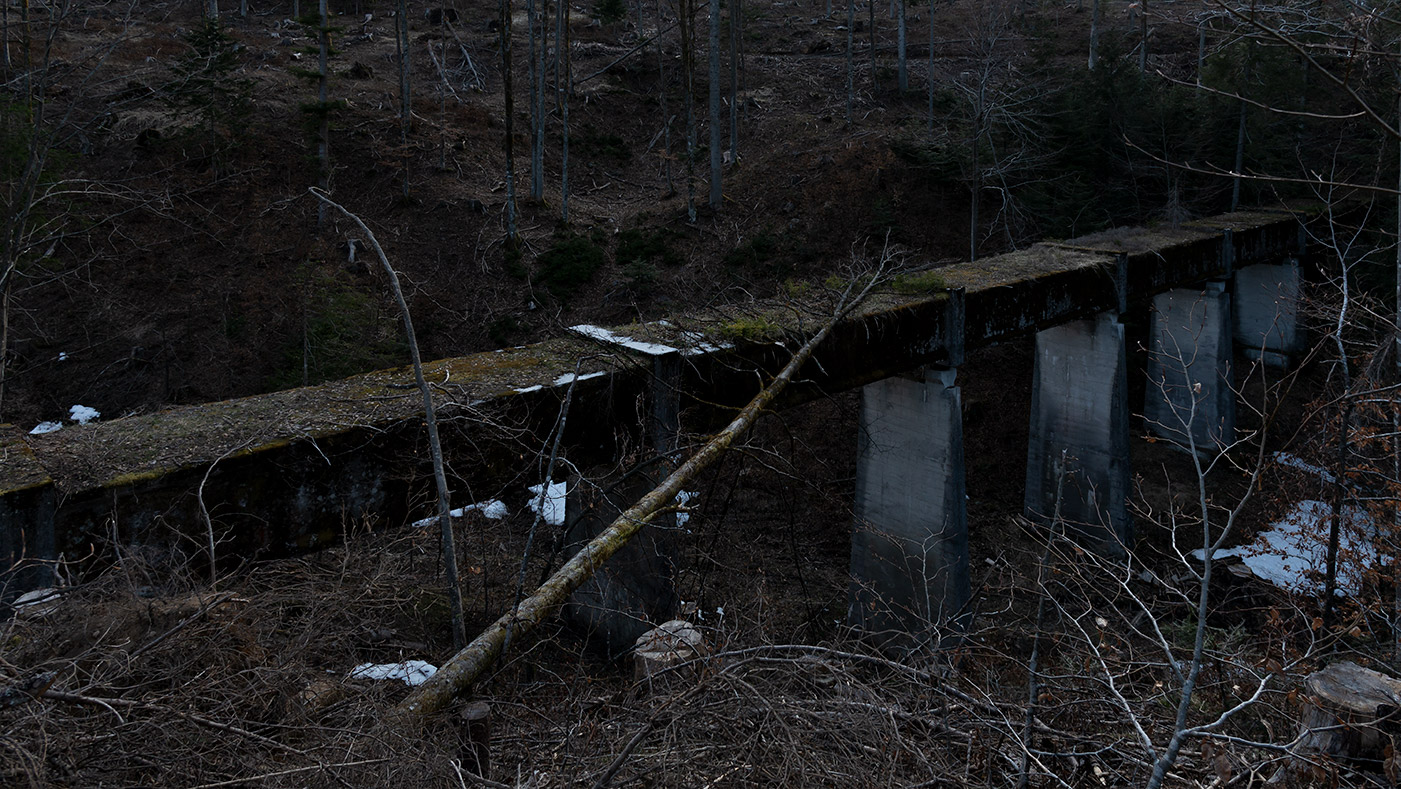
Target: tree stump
664, 646
475, 723
1349, 715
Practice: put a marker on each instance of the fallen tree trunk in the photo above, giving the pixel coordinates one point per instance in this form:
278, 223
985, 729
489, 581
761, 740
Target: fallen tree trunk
467, 666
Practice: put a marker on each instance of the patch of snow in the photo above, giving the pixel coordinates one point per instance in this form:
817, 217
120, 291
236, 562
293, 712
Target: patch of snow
82, 414
40, 602
568, 378
1292, 553
530, 389
554, 502
63, 356
45, 427
700, 345
1293, 461
412, 672
493, 509
682, 499
604, 335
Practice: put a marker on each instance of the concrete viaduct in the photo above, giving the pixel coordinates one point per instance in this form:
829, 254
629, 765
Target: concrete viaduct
286, 470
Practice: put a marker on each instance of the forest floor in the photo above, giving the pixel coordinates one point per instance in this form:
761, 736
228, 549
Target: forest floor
217, 284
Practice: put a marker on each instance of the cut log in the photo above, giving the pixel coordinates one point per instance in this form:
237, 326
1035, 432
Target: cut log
1349, 715
667, 645
475, 731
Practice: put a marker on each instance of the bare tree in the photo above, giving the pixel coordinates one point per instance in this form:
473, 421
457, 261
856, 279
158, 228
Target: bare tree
507, 89
401, 44
716, 138
430, 420
902, 69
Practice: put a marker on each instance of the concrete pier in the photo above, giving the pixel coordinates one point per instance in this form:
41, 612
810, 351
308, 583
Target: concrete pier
909, 552
636, 590
1078, 455
1190, 397
1266, 311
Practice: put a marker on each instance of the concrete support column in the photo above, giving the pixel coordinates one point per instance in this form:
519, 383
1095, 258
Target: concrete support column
909, 552
1266, 314
636, 590
1078, 457
1190, 397
28, 544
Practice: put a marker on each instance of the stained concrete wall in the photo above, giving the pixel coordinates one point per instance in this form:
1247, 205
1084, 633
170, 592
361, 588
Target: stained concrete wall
1190, 399
636, 590
909, 551
1078, 456
1266, 311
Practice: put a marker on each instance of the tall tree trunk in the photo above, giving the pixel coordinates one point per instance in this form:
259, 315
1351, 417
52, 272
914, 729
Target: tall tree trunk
5, 34
902, 70
5, 336
1143, 38
323, 146
931, 68
850, 60
1094, 34
716, 140
537, 175
666, 115
977, 188
401, 43
507, 85
211, 8
1201, 49
736, 16
688, 97
1396, 421
871, 30
566, 87
1240, 130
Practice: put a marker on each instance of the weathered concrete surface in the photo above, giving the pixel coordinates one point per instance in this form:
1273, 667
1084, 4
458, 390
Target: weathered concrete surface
26, 516
909, 549
636, 589
1191, 397
287, 469
1078, 455
1266, 311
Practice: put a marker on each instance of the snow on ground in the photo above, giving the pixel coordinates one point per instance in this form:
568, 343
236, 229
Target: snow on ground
683, 498
1292, 553
412, 672
493, 509
45, 427
554, 503
1286, 459
82, 414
